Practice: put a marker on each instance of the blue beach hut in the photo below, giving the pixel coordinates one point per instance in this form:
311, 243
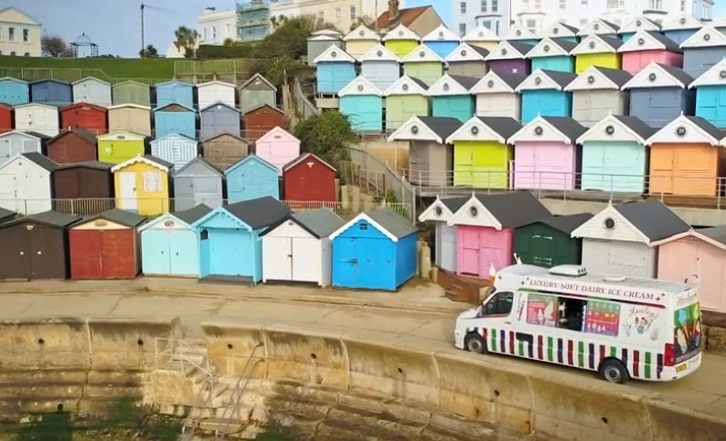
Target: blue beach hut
560, 30
451, 97
252, 178
375, 250
14, 92
362, 102
335, 68
174, 92
229, 237
711, 95
553, 54
442, 40
169, 244
175, 118
51, 92
543, 94
681, 27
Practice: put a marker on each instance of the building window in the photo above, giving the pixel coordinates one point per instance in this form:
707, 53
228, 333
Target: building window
462, 29
537, 5
214, 33
13, 53
484, 5
657, 5
584, 22
11, 34
583, 3
204, 34
496, 27
27, 54
531, 25
352, 13
337, 15
622, 4
487, 24
613, 4
563, 4
495, 5
683, 5
525, 4
26, 35
321, 15
462, 7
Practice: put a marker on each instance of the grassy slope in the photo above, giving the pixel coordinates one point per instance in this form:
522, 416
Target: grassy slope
113, 67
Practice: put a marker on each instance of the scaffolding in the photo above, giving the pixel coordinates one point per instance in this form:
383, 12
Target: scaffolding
253, 19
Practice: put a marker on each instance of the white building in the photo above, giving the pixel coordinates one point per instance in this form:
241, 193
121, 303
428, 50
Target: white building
216, 26
340, 13
494, 15
19, 34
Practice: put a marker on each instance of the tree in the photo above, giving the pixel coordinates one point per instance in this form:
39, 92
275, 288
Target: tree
327, 136
149, 52
55, 46
363, 20
278, 21
186, 39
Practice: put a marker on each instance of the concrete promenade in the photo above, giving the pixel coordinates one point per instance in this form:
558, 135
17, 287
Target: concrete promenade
419, 317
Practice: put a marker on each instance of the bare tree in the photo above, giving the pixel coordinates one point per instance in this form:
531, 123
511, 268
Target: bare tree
55, 46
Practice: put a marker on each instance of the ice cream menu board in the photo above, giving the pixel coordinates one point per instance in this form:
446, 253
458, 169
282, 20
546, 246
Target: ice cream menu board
602, 318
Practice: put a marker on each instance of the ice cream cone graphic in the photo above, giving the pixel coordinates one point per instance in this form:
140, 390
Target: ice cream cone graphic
492, 273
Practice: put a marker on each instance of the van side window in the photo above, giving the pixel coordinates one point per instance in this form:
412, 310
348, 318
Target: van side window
500, 304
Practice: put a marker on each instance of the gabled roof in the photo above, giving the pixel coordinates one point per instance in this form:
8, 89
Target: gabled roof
552, 47
167, 106
388, 222
422, 54
714, 76
405, 16
659, 75
597, 44
12, 80
53, 219
219, 104
131, 83
599, 26
618, 128
149, 160
320, 223
361, 33
715, 236
681, 21
216, 83
83, 133
306, 157
441, 33
550, 128
542, 79
41, 161
688, 129
495, 82
441, 210
256, 78
237, 137
560, 30
82, 105
258, 213
504, 210
400, 32
334, 54
639, 24
480, 34
426, 128
261, 106
116, 133
175, 136
91, 79
95, 165
486, 128
598, 78
174, 83
38, 136
50, 80
29, 20
449, 85
249, 158
6, 215
518, 32
129, 105
407, 86
41, 105
649, 41
360, 86
509, 50
200, 160
193, 214
566, 224
653, 219
379, 53
466, 52
707, 36
274, 133
119, 216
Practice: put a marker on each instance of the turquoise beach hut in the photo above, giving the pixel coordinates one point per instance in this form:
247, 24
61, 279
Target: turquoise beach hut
362, 102
450, 97
175, 119
543, 94
553, 54
174, 92
252, 178
14, 92
335, 68
711, 95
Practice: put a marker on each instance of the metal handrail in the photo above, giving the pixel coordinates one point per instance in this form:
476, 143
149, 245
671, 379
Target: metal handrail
237, 392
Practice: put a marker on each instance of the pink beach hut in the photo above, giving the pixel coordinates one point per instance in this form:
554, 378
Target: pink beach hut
697, 257
546, 154
485, 227
278, 147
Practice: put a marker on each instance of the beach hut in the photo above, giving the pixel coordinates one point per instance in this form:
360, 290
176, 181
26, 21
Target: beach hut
225, 150
105, 246
647, 47
599, 27
198, 182
35, 247
711, 95
175, 148
14, 92
38, 118
309, 179
548, 242
358, 245
362, 102
637, 24
561, 31
131, 118
702, 50
597, 50
441, 40
615, 155
6, 118
26, 186
278, 147
51, 92
84, 188
543, 93
597, 93
401, 41
92, 91
142, 185
174, 92
510, 57
659, 93
439, 212
335, 68
117, 147
482, 37
380, 66
496, 95
405, 99
170, 245
685, 158
219, 118
360, 41
255, 92
298, 248
521, 34
696, 257
553, 54
451, 97
546, 152
423, 63
317, 43
680, 27
252, 178
261, 120
619, 240
131, 92
468, 60
229, 238
16, 142
430, 158
482, 154
485, 226
175, 118
73, 145
85, 116
213, 92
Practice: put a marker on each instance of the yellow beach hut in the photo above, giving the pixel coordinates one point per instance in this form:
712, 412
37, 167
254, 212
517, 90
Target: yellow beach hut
401, 41
120, 146
142, 185
482, 37
597, 50
360, 40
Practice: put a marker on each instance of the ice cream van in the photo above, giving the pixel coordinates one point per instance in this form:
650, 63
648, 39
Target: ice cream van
621, 327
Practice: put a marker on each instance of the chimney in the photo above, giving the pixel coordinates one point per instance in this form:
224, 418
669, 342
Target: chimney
392, 9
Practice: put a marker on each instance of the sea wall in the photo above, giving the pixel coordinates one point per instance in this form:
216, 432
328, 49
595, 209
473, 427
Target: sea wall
447, 386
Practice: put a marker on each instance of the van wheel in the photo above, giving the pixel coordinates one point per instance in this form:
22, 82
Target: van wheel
474, 343
613, 371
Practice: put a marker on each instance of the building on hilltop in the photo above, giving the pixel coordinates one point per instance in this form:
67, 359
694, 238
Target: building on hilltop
19, 33
215, 26
421, 19
494, 15
253, 20
343, 14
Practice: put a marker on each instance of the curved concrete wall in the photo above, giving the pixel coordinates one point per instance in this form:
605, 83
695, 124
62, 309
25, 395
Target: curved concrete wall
460, 384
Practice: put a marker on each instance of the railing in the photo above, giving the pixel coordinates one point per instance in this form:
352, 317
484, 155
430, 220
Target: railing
174, 349
239, 389
302, 103
31, 74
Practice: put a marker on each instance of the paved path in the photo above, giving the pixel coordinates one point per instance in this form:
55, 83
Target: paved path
417, 316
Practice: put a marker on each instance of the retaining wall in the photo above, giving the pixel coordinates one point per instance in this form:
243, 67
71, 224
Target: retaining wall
465, 385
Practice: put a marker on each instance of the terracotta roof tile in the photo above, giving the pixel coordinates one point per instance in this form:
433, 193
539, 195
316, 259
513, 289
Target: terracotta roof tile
405, 17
